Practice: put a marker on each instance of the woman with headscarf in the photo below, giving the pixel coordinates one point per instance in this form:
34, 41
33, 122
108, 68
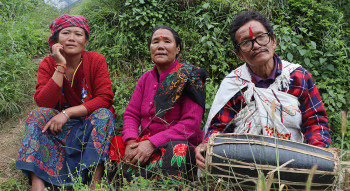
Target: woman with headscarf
167, 105
71, 130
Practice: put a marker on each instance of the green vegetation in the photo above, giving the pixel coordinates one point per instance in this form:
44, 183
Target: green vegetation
23, 35
312, 33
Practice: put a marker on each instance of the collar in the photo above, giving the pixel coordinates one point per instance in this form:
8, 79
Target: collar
277, 70
165, 73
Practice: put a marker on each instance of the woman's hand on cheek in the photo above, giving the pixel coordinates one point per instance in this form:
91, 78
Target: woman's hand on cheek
57, 53
55, 124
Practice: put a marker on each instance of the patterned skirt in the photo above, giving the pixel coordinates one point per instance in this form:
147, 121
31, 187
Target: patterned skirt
172, 160
65, 158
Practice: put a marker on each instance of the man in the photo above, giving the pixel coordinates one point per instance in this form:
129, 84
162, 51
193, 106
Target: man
266, 95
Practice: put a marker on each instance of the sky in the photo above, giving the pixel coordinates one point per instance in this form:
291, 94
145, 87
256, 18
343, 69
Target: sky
60, 4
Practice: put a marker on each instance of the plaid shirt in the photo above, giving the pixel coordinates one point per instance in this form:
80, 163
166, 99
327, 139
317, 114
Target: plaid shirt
314, 117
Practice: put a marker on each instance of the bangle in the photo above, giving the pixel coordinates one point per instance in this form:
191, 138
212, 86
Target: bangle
62, 65
65, 114
59, 71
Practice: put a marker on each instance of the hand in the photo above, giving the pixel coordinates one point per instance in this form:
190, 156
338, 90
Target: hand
57, 52
55, 124
144, 151
200, 160
130, 151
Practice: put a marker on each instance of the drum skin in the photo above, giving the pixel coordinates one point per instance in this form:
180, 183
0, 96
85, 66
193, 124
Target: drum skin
237, 158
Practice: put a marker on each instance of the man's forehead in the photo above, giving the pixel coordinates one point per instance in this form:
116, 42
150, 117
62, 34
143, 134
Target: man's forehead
252, 26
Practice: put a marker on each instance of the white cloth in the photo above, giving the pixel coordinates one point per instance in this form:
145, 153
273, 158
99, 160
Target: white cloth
257, 117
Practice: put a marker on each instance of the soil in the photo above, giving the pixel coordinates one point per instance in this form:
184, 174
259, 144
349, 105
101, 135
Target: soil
11, 134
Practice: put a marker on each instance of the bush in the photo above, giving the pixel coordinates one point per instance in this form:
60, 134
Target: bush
23, 35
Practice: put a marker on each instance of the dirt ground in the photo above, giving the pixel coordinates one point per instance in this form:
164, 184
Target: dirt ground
11, 135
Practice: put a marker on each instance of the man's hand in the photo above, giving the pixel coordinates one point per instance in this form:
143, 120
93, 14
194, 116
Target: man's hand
200, 160
144, 151
55, 124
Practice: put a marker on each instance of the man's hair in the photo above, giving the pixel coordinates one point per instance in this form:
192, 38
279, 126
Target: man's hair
175, 34
245, 17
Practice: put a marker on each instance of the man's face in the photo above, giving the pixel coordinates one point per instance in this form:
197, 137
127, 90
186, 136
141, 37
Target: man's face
258, 55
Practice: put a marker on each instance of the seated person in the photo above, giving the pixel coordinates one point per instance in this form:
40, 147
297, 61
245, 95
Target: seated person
162, 121
70, 132
245, 99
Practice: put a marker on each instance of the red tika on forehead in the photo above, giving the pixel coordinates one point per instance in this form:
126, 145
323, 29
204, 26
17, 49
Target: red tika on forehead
251, 34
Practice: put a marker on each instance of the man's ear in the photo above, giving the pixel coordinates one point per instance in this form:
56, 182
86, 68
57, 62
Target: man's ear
274, 41
239, 55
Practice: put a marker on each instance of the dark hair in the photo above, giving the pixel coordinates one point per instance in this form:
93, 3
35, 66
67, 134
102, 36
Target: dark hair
55, 36
175, 34
245, 17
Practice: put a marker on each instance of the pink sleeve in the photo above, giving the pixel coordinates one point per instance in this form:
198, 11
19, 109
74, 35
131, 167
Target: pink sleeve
187, 128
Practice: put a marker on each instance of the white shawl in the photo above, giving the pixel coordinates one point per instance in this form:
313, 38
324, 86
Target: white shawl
257, 117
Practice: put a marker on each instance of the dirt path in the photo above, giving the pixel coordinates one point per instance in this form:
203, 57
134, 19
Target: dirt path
11, 134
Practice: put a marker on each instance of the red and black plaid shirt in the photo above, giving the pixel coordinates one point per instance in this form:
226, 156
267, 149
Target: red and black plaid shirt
314, 117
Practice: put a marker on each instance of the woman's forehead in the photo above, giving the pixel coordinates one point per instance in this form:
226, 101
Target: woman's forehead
163, 33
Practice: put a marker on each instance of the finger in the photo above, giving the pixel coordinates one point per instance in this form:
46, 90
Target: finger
134, 145
135, 160
46, 126
142, 160
200, 165
52, 129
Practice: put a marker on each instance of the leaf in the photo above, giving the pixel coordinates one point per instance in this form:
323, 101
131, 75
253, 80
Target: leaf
205, 5
322, 60
210, 26
307, 61
330, 67
142, 1
302, 52
210, 43
173, 160
313, 44
290, 56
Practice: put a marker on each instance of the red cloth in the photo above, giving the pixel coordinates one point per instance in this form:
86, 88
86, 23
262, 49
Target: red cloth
67, 21
49, 94
117, 148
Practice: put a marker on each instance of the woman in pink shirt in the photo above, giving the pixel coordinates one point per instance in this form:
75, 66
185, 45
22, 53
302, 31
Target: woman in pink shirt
162, 121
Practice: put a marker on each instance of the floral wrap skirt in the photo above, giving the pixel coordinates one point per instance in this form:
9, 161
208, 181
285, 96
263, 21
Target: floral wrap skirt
65, 158
174, 160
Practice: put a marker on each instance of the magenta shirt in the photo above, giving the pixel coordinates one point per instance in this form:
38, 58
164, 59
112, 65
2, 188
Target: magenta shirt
182, 122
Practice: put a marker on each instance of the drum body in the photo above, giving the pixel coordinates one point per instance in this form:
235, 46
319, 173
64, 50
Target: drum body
238, 158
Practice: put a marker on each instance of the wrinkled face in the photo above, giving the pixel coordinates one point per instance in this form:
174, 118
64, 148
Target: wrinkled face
73, 40
163, 48
259, 55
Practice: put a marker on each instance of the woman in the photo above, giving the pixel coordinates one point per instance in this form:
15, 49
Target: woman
167, 104
71, 130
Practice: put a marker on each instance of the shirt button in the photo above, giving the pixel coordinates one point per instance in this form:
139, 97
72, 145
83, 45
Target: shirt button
150, 103
155, 87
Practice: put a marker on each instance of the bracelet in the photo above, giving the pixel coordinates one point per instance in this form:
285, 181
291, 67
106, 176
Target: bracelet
59, 71
62, 65
65, 114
